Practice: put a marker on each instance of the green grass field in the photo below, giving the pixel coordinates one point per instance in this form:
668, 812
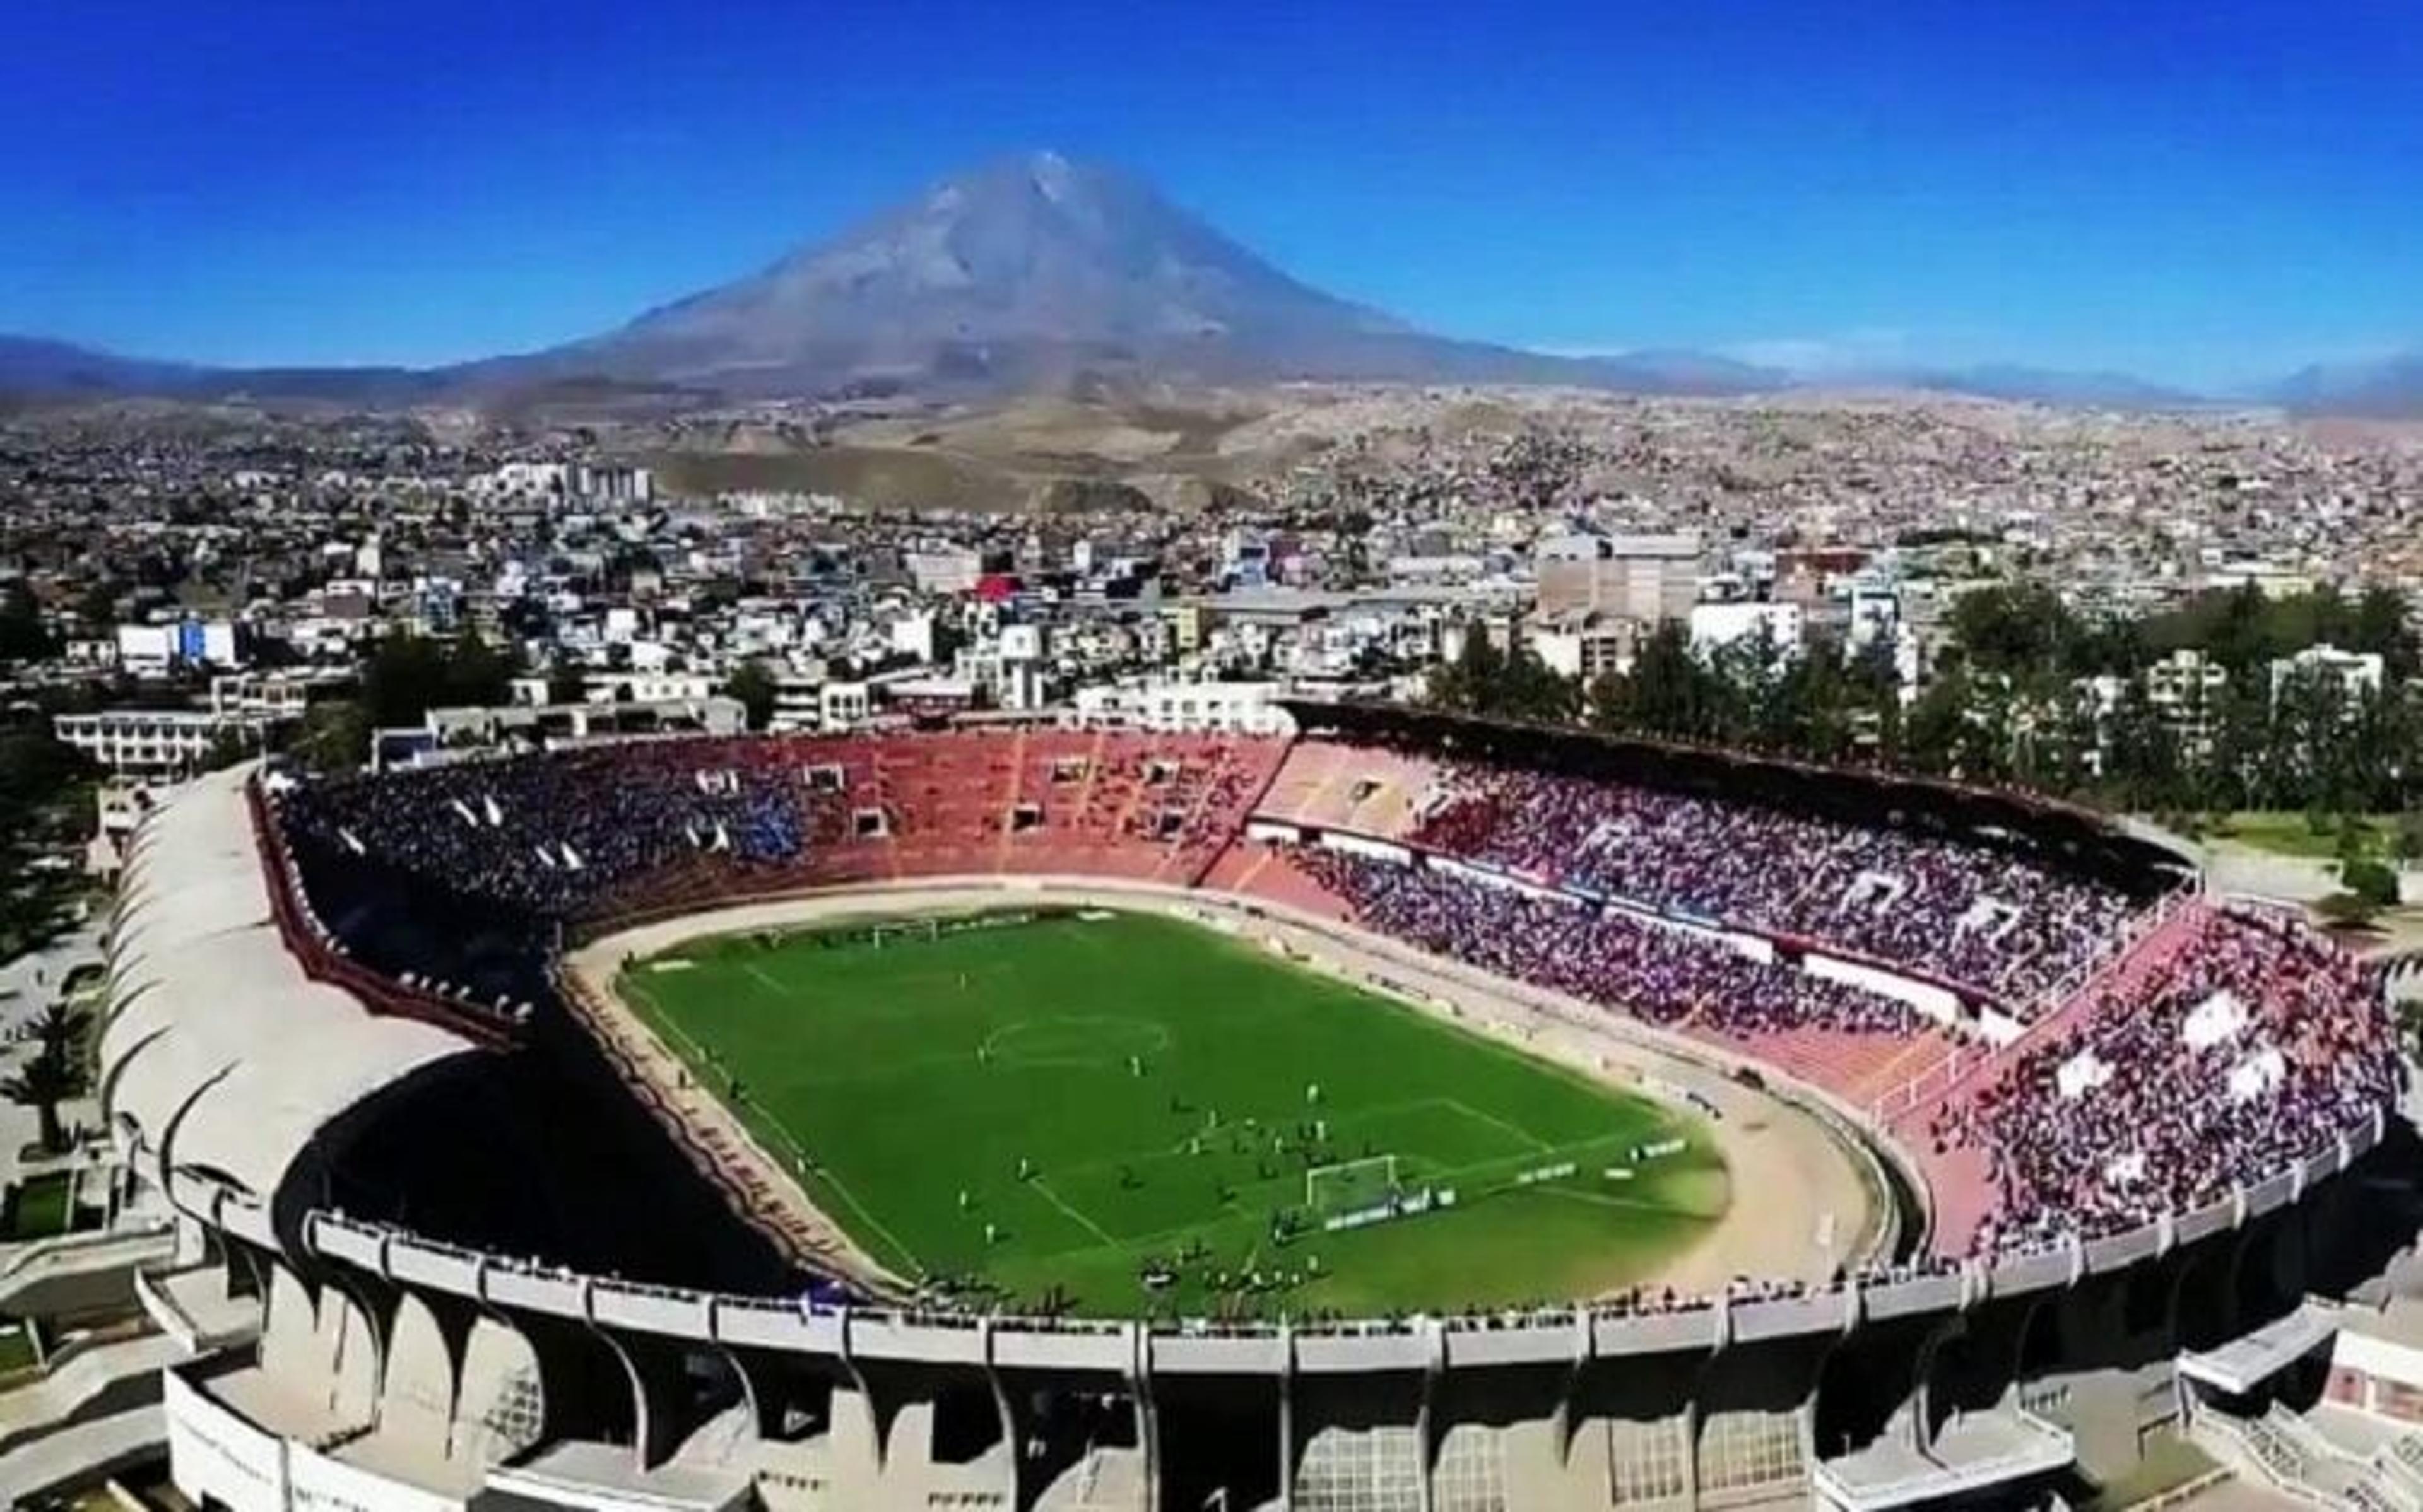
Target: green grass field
1158, 1081
2290, 834
41, 1207
16, 1350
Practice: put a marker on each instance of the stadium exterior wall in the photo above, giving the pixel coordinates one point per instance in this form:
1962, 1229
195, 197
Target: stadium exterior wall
1559, 1397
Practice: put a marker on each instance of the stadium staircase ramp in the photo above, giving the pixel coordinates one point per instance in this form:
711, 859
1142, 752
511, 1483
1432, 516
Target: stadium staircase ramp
2284, 1451
83, 1452
1969, 1455
192, 1305
1961, 1175
1106, 1480
2241, 1366
2400, 1463
1909, 1110
50, 1275
84, 1382
579, 1472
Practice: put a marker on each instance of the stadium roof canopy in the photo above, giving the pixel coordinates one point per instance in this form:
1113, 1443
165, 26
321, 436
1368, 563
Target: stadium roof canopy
218, 1052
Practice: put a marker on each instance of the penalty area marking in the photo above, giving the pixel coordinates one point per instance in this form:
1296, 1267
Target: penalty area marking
1494, 1122
1630, 1204
1054, 1199
779, 989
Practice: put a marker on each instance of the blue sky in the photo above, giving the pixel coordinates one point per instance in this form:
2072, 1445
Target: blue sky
2207, 193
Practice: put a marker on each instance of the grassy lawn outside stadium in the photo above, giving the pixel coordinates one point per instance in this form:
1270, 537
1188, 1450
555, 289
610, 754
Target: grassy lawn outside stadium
1058, 1107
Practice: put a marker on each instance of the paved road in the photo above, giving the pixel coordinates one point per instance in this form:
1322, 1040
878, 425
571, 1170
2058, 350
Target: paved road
30, 983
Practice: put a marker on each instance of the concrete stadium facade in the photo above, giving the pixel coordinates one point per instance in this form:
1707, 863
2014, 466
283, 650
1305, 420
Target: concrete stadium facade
344, 1363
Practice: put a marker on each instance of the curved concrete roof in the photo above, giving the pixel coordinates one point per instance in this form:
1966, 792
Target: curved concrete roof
218, 1048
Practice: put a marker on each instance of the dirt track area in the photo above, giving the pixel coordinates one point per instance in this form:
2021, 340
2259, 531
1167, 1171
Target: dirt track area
1804, 1201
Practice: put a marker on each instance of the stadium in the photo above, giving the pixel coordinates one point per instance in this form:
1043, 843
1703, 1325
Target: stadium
1402, 1112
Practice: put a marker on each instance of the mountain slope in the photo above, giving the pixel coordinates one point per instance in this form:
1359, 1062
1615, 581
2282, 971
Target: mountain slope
2391, 388
1029, 274
1035, 271
34, 365
2019, 383
58, 369
1038, 274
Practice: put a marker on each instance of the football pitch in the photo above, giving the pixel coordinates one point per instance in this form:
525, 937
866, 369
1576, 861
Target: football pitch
1129, 1114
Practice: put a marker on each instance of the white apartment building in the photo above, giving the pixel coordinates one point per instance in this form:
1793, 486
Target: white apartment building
281, 695
612, 482
121, 804
474, 726
638, 686
2357, 674
843, 705
946, 571
1185, 708
152, 650
1583, 645
162, 744
2185, 690
1716, 626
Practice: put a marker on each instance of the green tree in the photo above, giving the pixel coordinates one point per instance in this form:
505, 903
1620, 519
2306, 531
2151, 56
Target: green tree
2143, 753
753, 685
2236, 629
2378, 624
1809, 706
24, 637
410, 675
477, 673
567, 681
232, 745
1461, 685
1527, 688
1872, 691
334, 737
36, 770
1667, 692
96, 607
405, 677
1936, 728
2224, 776
2372, 881
54, 1075
2019, 629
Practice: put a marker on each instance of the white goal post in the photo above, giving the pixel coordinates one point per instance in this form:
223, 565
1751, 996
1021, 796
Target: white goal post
1350, 1184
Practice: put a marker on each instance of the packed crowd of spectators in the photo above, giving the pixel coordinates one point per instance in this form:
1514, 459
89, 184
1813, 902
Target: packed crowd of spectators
1971, 917
1661, 974
587, 828
2253, 1047
554, 832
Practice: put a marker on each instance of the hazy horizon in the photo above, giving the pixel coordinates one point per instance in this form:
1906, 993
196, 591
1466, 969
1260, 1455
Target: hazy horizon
2202, 196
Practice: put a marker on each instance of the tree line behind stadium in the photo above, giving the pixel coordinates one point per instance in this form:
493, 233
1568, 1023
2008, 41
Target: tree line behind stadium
2007, 702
